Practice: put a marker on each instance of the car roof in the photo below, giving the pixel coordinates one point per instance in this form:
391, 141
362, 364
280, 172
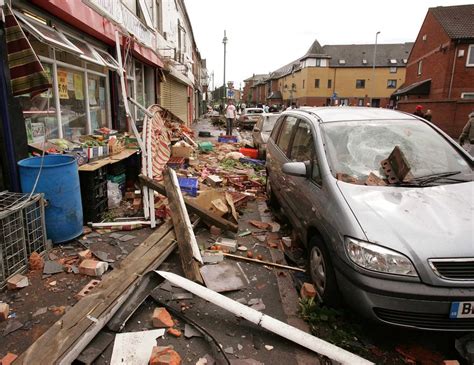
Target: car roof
253, 108
356, 113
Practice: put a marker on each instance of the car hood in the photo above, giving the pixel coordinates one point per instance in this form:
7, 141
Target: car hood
421, 223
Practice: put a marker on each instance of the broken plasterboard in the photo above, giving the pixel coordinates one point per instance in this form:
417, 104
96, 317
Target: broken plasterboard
134, 347
225, 276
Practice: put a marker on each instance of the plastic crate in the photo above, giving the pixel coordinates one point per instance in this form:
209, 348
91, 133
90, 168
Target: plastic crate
206, 146
188, 185
117, 179
93, 213
23, 231
176, 162
92, 195
116, 168
89, 179
249, 152
227, 139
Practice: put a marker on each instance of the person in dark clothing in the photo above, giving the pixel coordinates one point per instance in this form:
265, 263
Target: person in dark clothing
419, 111
428, 115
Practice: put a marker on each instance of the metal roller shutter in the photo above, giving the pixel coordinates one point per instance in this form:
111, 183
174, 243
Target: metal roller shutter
174, 96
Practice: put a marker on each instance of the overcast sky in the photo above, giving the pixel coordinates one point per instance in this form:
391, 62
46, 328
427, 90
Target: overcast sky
264, 35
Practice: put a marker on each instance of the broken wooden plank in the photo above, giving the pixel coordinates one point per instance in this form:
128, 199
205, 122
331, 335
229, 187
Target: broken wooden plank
261, 262
68, 336
193, 207
189, 253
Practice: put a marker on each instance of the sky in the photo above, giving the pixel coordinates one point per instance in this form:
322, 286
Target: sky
264, 35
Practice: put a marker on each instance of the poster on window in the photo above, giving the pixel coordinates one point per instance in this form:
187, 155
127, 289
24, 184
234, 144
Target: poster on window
70, 81
62, 85
78, 87
92, 91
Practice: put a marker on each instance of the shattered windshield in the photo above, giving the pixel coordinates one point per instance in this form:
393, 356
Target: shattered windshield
356, 149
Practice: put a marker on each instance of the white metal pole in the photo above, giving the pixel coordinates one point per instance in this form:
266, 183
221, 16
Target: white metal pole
273, 325
373, 69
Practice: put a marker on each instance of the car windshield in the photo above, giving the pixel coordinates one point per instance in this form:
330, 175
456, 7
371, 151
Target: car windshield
357, 148
254, 111
269, 123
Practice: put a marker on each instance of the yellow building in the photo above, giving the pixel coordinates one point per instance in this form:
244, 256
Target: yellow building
343, 74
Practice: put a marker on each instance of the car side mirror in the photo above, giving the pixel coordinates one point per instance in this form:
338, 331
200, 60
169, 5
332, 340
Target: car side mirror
295, 169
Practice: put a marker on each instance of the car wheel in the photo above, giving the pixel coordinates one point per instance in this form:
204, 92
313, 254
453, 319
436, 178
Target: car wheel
322, 272
271, 198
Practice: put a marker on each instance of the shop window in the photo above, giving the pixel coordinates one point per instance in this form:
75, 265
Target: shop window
47, 34
109, 61
40, 114
97, 101
72, 101
140, 88
68, 58
88, 53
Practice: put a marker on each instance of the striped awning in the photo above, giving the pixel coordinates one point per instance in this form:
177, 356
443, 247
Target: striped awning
26, 72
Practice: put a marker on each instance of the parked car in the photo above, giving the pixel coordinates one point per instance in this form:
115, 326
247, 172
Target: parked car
249, 117
398, 249
261, 132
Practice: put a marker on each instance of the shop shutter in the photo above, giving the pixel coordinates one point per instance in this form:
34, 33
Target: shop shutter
174, 96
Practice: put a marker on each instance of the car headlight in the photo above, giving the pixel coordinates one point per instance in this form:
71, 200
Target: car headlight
378, 258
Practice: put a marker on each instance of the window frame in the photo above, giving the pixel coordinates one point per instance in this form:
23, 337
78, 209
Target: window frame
290, 141
329, 83
470, 53
420, 68
470, 93
317, 83
313, 158
390, 83
360, 84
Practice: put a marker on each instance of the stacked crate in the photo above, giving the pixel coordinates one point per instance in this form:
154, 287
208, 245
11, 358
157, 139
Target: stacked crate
93, 194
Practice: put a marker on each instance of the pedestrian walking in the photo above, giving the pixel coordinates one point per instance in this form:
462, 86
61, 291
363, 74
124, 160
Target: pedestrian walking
419, 111
467, 134
230, 115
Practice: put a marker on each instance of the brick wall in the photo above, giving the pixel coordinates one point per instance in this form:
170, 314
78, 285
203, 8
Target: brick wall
449, 115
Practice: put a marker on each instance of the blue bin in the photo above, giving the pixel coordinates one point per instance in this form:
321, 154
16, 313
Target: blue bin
59, 182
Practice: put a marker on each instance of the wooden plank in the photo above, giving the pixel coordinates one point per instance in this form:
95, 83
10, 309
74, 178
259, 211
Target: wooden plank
187, 244
92, 166
122, 155
68, 336
192, 207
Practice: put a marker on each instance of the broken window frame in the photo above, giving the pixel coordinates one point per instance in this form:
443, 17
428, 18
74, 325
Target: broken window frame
146, 13
35, 27
109, 61
96, 60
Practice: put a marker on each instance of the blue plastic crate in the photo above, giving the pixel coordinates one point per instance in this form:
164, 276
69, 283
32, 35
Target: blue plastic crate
188, 185
227, 139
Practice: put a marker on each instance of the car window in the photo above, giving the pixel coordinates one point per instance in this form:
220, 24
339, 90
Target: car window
269, 123
302, 149
286, 133
357, 148
276, 129
254, 111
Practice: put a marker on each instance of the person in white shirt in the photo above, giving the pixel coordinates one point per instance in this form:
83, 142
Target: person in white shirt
230, 115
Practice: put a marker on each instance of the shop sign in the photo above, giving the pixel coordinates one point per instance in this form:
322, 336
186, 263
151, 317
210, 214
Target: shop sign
118, 13
62, 85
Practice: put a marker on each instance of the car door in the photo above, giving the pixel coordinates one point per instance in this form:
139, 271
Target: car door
304, 193
279, 155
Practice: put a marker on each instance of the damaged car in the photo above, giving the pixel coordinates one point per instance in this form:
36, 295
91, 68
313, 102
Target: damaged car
384, 203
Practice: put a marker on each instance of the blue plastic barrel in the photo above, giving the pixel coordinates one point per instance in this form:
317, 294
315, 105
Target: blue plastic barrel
59, 182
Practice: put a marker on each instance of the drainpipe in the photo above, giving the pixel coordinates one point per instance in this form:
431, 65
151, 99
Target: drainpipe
452, 72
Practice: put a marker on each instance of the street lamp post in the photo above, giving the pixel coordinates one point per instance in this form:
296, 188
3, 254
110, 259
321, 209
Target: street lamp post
373, 68
224, 41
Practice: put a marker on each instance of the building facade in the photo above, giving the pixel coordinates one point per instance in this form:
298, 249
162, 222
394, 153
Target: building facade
338, 75
440, 69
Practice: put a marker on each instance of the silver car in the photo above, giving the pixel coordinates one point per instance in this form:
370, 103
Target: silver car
261, 131
384, 202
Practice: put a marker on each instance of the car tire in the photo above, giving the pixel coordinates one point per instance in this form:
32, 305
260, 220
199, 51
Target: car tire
322, 272
272, 200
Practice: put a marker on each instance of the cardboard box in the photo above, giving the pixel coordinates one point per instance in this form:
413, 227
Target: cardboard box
177, 151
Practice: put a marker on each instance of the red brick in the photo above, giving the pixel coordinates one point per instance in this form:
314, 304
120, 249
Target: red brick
8, 358
93, 267
164, 355
4, 310
36, 262
174, 332
87, 288
161, 318
307, 291
85, 255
